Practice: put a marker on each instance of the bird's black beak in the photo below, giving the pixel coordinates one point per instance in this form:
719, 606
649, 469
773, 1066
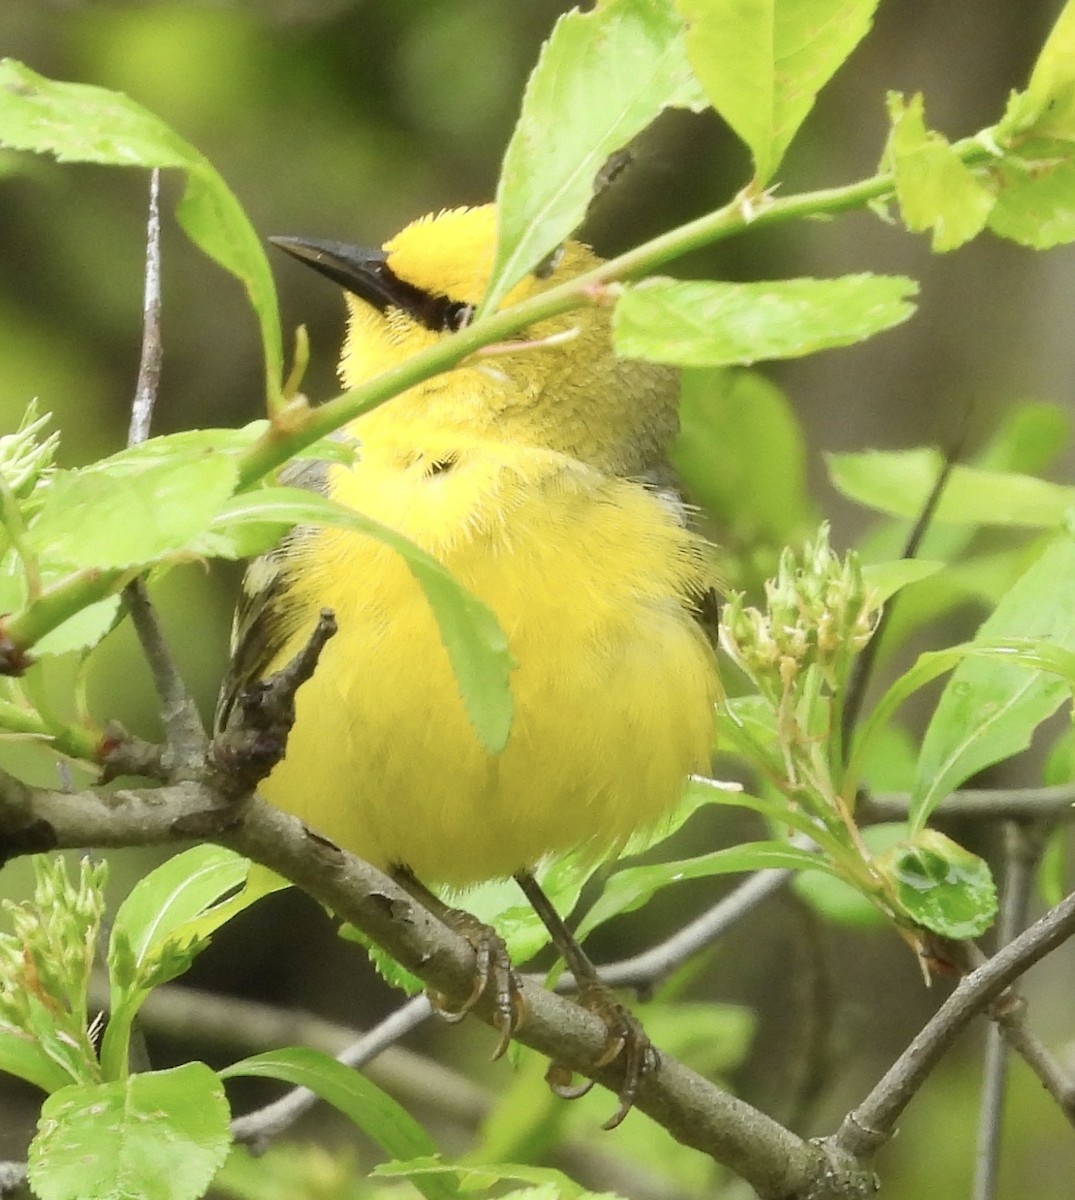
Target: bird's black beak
366, 274
358, 269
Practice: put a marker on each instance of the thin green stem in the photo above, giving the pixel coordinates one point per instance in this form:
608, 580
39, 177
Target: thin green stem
68, 739
295, 429
56, 604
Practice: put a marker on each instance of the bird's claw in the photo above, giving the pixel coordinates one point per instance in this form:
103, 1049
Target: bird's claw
626, 1037
492, 967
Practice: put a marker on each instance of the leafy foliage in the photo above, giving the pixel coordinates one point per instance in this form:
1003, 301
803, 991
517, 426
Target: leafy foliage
73, 538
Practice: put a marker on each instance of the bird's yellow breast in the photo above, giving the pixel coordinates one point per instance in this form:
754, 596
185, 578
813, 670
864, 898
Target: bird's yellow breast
591, 578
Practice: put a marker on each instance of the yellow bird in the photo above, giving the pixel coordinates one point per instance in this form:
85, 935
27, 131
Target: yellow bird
535, 476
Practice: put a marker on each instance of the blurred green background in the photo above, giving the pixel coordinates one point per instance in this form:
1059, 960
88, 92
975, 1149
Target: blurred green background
346, 119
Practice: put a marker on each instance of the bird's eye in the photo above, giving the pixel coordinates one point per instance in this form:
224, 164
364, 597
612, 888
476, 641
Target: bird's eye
457, 316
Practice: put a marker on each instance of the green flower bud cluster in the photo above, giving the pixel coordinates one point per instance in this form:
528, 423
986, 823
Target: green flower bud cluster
818, 613
46, 960
24, 460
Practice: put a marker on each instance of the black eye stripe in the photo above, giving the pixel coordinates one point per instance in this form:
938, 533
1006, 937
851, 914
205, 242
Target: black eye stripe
439, 313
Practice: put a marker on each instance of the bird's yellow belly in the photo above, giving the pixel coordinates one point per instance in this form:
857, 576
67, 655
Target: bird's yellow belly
613, 689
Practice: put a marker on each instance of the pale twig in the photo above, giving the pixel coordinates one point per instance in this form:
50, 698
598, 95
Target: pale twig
184, 733
648, 968
986, 804
186, 740
149, 368
873, 1122
1022, 848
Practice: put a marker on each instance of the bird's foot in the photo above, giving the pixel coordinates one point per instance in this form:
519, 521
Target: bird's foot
626, 1037
492, 970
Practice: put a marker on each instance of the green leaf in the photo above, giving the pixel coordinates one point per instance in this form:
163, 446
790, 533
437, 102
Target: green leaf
935, 188
899, 483
475, 643
76, 122
705, 324
162, 905
162, 925
1048, 105
1036, 202
82, 631
157, 1136
835, 899
632, 887
113, 515
24, 1057
941, 886
253, 522
741, 455
888, 578
484, 1176
763, 62
602, 77
992, 705
372, 1110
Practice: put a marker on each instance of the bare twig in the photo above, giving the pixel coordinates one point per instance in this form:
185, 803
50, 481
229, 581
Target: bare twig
873, 1122
648, 968
255, 736
149, 368
985, 804
1022, 848
186, 740
1052, 1076
863, 666
693, 1110
184, 733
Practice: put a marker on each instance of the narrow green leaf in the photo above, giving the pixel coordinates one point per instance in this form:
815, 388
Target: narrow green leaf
175, 893
888, 578
763, 62
602, 77
484, 1176
941, 886
634, 886
900, 482
76, 122
702, 324
1036, 202
992, 704
475, 643
158, 1136
110, 515
372, 1110
24, 1058
936, 190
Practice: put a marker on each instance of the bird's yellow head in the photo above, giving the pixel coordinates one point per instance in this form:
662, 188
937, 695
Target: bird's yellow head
570, 394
